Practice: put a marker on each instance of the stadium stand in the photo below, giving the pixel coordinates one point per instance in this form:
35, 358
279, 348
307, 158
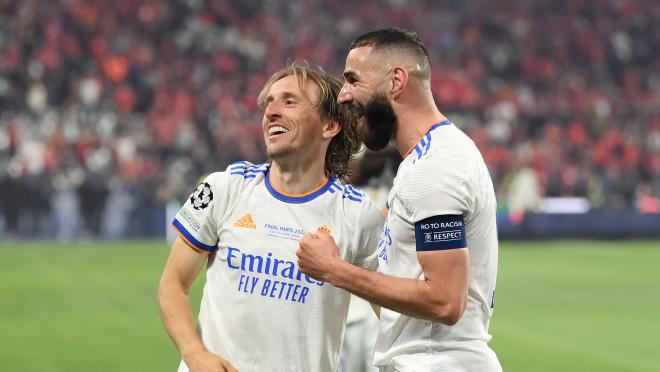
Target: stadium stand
111, 108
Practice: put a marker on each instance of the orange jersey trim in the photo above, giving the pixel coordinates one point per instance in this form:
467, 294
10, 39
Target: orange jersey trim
317, 188
188, 243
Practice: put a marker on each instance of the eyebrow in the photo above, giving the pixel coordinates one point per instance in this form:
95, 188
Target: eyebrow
348, 74
284, 95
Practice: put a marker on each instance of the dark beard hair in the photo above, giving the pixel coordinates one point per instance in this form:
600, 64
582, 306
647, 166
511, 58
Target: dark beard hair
381, 122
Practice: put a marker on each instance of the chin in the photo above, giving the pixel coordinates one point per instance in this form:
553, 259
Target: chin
276, 153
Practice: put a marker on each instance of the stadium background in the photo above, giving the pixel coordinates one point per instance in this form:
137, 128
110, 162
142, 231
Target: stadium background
111, 110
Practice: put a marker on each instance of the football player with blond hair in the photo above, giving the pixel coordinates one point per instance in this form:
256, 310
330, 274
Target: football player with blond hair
259, 312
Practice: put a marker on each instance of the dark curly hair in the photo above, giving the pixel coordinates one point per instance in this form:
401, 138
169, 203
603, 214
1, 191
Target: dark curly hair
345, 143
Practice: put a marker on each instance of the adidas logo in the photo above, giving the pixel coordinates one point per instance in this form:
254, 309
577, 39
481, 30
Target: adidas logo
245, 222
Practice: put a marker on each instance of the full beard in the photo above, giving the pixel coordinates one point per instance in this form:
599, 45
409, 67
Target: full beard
380, 123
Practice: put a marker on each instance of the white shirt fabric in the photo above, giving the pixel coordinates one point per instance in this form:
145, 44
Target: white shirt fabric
258, 310
444, 175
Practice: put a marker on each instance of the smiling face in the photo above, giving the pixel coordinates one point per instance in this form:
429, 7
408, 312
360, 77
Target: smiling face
292, 123
364, 92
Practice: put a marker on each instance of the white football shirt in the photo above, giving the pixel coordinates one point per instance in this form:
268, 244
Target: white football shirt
442, 198
258, 310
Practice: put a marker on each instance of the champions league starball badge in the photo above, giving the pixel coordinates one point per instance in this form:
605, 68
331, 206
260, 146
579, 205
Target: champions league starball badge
202, 197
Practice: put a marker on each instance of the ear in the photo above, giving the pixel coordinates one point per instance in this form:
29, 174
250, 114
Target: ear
330, 128
398, 81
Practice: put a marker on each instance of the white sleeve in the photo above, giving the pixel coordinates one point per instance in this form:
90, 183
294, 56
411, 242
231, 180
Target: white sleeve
437, 199
198, 219
369, 227
441, 188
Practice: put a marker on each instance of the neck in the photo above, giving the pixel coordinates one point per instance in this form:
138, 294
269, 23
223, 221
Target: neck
414, 121
297, 177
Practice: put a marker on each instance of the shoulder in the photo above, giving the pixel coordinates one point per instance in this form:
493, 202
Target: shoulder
247, 170
359, 210
235, 177
349, 194
439, 172
242, 174
446, 159
442, 177
355, 201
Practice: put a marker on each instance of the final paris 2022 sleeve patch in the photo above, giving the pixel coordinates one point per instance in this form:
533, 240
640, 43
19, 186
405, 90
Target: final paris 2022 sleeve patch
440, 233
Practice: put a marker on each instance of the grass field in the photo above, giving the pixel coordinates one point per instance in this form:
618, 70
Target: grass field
560, 306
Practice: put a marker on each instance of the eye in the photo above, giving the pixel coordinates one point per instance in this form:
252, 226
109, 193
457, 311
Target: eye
350, 79
289, 101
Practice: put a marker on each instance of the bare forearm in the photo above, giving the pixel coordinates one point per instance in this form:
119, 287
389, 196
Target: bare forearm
177, 318
441, 296
407, 296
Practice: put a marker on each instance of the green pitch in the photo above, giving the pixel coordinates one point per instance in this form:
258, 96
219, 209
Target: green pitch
560, 306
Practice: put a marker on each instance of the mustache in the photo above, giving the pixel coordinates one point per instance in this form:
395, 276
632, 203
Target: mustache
354, 109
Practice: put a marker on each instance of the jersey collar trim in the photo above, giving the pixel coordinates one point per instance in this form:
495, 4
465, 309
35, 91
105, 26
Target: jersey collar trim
298, 199
434, 126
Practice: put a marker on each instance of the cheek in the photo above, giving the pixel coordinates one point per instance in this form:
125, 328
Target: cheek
361, 102
361, 94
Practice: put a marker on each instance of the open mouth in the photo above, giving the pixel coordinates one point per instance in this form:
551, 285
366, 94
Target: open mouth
276, 130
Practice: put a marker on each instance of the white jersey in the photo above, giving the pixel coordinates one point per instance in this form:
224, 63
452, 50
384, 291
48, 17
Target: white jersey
258, 310
442, 198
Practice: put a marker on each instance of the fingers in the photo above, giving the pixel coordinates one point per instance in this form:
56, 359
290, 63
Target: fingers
229, 368
225, 366
324, 237
308, 238
310, 235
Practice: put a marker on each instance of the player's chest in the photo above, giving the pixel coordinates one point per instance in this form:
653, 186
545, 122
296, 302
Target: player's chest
395, 233
257, 247
398, 226
274, 227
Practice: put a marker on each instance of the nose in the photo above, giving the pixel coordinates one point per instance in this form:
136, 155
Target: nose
345, 95
272, 112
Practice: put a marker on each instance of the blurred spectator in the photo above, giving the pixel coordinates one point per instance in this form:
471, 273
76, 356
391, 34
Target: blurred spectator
524, 189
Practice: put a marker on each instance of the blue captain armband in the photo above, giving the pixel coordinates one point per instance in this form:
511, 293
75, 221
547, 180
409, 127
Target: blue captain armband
440, 232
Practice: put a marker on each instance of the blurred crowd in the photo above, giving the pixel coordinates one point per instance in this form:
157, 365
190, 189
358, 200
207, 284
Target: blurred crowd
109, 109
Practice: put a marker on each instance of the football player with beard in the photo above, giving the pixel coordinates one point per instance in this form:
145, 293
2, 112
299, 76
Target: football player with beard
438, 250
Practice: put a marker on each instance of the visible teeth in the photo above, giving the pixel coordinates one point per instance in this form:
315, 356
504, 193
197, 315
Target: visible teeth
277, 130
